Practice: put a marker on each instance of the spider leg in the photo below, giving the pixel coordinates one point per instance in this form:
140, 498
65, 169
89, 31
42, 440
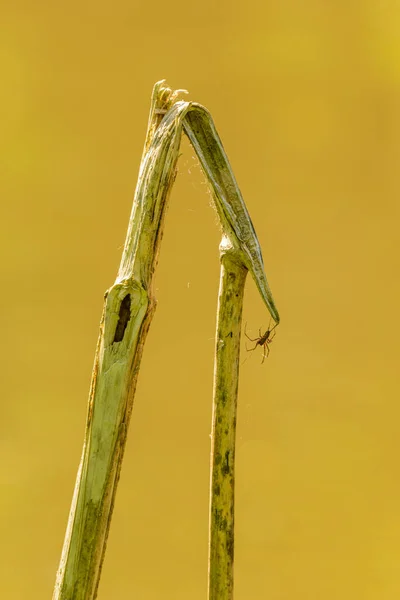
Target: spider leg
251, 339
245, 333
251, 349
276, 325
266, 348
246, 357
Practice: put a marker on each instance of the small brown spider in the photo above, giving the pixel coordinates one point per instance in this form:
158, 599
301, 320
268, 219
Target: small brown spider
263, 340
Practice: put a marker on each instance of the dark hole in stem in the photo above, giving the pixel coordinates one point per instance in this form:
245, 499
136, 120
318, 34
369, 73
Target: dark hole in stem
124, 316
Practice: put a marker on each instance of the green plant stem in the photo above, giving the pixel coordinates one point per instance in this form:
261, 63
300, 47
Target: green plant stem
223, 434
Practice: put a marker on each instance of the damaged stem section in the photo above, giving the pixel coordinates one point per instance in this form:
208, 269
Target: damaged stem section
223, 432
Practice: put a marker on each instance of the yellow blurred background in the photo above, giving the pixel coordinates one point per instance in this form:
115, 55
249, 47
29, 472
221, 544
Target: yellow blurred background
305, 96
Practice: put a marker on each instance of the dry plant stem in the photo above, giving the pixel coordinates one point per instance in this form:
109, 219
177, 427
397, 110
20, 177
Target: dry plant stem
226, 378
128, 309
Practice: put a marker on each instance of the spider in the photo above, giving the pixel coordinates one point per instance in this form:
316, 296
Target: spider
263, 340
